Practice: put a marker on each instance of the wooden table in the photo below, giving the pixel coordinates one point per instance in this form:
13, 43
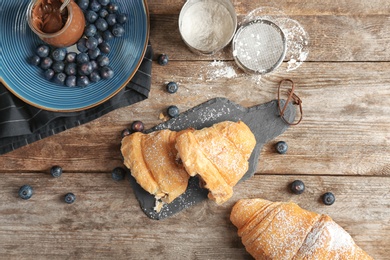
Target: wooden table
342, 146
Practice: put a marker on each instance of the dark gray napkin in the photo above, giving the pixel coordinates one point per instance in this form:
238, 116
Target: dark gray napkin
22, 124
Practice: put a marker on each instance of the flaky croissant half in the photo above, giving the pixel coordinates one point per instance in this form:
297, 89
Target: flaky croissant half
218, 154
283, 230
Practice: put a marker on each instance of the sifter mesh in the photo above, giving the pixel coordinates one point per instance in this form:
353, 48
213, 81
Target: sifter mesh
259, 46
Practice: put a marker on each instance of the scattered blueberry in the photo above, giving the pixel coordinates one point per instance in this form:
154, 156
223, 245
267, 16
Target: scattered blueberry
85, 68
93, 54
56, 171
25, 192
99, 38
163, 59
49, 74
59, 78
104, 2
101, 24
70, 69
172, 87
103, 13
112, 8
94, 76
125, 132
46, 63
42, 51
70, 198
117, 30
137, 126
173, 111
94, 64
118, 174
90, 30
82, 81
59, 54
71, 57
34, 60
107, 35
58, 66
81, 45
94, 5
91, 43
91, 16
121, 18
71, 81
102, 60
82, 57
297, 187
106, 72
83, 4
105, 47
281, 147
111, 19
328, 198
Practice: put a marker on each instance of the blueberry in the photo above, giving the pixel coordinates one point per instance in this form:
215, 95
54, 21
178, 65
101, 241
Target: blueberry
85, 68
70, 69
111, 19
59, 54
46, 63
83, 4
91, 43
90, 30
106, 72
59, 78
117, 30
25, 192
93, 54
118, 174
70, 198
281, 147
81, 45
297, 187
101, 24
94, 5
91, 16
94, 76
71, 81
173, 111
71, 57
58, 66
125, 132
107, 35
112, 8
82, 81
105, 47
99, 38
104, 2
42, 51
102, 60
56, 171
328, 198
121, 18
103, 13
163, 59
172, 87
137, 126
49, 74
34, 60
82, 58
94, 64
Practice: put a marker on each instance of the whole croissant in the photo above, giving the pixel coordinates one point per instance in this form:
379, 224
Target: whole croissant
283, 230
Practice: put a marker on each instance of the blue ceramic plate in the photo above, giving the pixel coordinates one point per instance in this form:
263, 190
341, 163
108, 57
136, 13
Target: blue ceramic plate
18, 42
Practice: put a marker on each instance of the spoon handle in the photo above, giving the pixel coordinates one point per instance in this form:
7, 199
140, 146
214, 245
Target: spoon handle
64, 4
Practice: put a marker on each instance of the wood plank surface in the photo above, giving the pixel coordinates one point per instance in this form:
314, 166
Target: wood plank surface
342, 145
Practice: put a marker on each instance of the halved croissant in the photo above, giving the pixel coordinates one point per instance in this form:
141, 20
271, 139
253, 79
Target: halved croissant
283, 230
218, 154
151, 159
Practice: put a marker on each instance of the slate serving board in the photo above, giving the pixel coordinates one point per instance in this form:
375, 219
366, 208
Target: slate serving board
263, 120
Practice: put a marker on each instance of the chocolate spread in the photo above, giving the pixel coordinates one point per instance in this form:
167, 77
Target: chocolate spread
47, 17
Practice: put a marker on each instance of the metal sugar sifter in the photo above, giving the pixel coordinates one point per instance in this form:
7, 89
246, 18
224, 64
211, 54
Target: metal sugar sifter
259, 46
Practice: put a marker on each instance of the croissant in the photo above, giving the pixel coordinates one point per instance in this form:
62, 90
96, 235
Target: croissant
151, 159
218, 154
283, 230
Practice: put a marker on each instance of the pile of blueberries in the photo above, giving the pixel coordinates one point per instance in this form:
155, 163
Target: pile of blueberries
104, 22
